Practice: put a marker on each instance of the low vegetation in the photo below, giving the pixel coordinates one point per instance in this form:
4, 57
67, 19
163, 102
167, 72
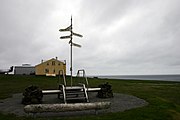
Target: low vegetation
163, 97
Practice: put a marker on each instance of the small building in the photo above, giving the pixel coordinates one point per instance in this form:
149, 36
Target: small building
50, 67
25, 69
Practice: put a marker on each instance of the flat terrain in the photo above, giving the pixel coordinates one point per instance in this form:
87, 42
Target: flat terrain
119, 103
163, 97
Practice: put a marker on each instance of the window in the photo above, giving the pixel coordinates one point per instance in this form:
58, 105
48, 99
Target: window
47, 63
59, 64
54, 71
46, 70
53, 62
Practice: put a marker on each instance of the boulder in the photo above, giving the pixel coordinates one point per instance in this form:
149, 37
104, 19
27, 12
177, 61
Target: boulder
32, 95
106, 91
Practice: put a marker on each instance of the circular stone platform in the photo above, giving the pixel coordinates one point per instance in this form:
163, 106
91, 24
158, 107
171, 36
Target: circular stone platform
120, 102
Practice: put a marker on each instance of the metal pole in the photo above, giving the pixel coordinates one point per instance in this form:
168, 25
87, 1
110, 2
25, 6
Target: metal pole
71, 52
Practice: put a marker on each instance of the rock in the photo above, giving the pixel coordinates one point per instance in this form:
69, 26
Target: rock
32, 95
106, 91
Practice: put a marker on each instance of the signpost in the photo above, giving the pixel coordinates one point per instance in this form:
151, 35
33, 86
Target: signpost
70, 42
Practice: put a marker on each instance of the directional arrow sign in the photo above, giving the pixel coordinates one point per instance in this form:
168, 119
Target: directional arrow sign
76, 34
66, 29
65, 37
76, 45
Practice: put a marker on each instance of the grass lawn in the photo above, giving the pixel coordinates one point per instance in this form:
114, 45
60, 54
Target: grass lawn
163, 97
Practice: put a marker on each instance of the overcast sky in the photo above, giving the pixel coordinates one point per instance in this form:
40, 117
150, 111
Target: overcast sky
120, 37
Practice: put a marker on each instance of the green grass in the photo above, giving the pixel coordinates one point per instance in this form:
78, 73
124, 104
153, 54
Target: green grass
163, 97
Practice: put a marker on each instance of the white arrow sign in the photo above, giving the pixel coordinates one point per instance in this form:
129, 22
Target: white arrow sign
76, 45
76, 34
66, 29
65, 37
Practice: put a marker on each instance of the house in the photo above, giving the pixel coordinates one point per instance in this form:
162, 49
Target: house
25, 69
50, 67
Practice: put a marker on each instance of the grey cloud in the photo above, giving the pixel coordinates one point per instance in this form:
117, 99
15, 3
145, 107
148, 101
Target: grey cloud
120, 37
19, 25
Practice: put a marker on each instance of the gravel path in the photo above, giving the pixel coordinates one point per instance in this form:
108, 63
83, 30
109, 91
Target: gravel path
120, 102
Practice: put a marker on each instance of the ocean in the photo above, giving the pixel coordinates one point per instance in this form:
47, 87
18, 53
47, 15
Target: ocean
144, 77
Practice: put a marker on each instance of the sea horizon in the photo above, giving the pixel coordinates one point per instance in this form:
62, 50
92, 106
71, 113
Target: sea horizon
158, 77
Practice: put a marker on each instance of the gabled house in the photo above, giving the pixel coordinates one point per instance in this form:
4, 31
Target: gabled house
50, 67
